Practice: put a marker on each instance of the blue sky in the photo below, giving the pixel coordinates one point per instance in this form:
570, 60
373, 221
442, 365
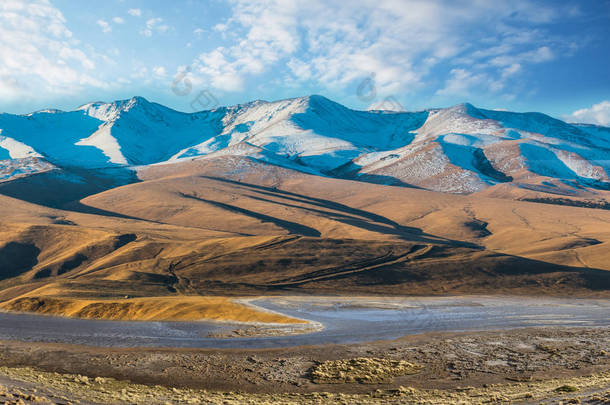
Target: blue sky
522, 55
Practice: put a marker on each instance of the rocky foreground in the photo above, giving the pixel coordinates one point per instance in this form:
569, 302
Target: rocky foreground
26, 385
549, 365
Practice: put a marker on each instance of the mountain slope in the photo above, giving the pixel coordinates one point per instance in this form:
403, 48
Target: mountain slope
134, 199
201, 227
464, 149
137, 132
313, 131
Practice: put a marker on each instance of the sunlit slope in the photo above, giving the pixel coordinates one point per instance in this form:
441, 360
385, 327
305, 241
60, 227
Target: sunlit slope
281, 201
146, 309
203, 227
311, 214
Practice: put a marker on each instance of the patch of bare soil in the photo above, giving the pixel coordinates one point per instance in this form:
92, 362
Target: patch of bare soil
267, 331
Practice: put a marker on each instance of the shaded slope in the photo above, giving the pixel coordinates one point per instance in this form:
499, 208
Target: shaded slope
60, 187
138, 132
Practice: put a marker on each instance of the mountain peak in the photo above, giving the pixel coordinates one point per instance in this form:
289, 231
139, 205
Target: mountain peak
137, 100
126, 105
105, 111
322, 104
318, 99
467, 109
463, 107
132, 100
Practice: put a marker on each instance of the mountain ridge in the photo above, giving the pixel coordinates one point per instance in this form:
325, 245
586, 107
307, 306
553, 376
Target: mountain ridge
459, 149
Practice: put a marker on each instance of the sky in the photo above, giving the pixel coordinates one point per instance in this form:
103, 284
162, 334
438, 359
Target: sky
551, 56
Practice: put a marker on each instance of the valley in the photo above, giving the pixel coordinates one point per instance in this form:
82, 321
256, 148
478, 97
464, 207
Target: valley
160, 231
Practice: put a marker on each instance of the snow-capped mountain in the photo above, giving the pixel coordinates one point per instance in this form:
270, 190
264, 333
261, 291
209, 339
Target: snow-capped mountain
461, 149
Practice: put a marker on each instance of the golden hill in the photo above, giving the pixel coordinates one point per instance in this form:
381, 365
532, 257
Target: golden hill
204, 228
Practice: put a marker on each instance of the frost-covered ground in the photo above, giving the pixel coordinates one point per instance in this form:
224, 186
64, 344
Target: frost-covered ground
11, 169
461, 149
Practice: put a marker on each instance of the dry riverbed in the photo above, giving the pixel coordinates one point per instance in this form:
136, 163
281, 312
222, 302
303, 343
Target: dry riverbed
527, 365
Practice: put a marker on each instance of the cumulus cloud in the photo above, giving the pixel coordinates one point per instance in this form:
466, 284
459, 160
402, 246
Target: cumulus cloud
220, 27
118, 20
337, 43
598, 114
154, 25
39, 54
136, 12
104, 25
159, 71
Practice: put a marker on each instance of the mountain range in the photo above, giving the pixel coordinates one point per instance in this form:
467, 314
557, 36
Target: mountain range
461, 149
304, 195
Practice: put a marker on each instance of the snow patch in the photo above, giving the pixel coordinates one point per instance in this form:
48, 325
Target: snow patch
16, 149
103, 140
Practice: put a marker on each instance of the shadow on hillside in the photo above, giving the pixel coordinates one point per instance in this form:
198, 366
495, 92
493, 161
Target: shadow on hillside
493, 272
17, 258
314, 266
292, 227
351, 171
358, 218
545, 162
64, 188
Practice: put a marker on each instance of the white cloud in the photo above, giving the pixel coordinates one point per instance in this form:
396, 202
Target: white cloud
39, 55
9, 86
598, 114
198, 32
159, 71
511, 70
222, 73
104, 25
539, 55
465, 83
140, 73
299, 69
220, 27
154, 25
136, 12
118, 20
336, 43
67, 53
461, 82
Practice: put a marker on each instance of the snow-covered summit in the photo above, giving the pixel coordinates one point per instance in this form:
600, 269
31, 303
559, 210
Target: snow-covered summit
457, 149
